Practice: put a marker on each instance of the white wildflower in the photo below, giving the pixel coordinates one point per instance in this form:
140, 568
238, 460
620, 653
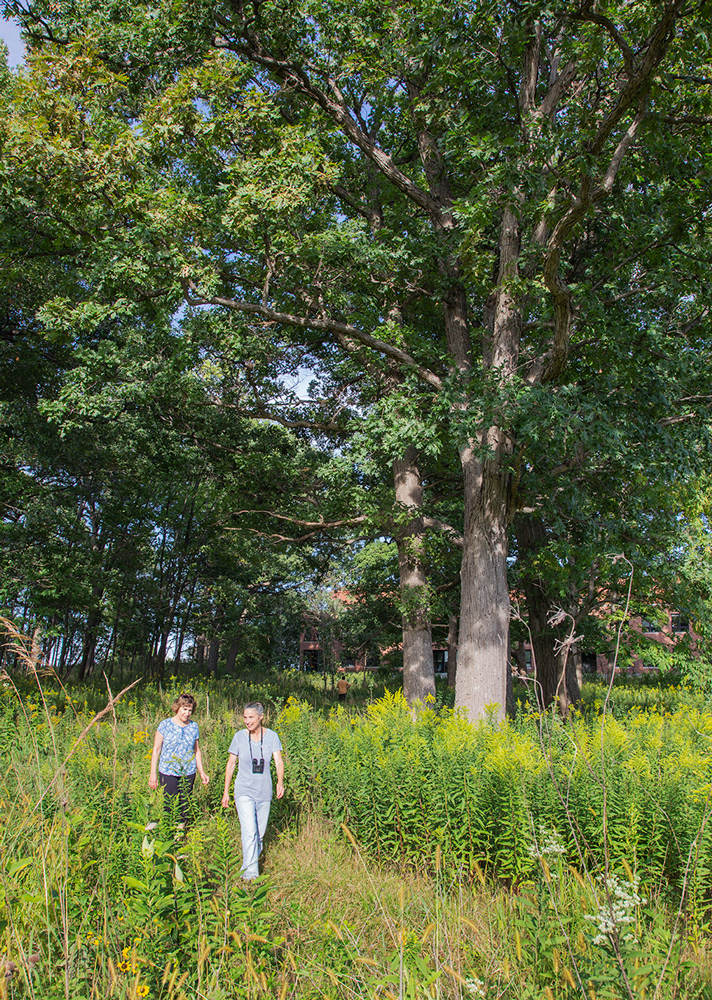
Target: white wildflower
475, 986
617, 908
547, 844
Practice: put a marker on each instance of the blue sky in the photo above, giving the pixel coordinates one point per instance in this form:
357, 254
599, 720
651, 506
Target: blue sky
10, 34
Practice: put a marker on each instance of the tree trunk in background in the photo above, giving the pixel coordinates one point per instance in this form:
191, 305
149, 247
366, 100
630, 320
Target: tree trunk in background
67, 640
213, 653
179, 646
199, 652
577, 669
559, 674
232, 656
531, 538
418, 665
570, 689
160, 662
89, 642
451, 651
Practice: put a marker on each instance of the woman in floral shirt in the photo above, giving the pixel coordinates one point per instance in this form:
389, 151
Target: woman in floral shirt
176, 756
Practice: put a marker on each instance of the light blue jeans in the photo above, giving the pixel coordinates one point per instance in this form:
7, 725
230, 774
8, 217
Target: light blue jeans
253, 818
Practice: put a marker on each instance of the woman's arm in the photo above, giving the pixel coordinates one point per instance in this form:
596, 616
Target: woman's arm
199, 763
229, 771
279, 767
157, 746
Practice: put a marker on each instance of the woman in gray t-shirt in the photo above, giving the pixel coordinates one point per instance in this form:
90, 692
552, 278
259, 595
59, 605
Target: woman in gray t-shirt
253, 748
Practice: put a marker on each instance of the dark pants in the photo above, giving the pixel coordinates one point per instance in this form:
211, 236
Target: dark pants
177, 786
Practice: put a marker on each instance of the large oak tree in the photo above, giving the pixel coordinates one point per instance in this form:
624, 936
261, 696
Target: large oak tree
459, 191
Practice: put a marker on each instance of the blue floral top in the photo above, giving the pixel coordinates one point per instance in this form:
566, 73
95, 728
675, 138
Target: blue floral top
178, 750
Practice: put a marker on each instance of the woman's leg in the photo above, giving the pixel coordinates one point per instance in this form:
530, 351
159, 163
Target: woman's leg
169, 782
262, 810
185, 787
253, 818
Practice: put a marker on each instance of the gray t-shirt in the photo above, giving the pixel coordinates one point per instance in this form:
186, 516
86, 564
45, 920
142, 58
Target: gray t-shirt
257, 786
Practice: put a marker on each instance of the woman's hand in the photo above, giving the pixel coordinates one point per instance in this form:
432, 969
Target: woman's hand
226, 800
205, 778
155, 757
279, 768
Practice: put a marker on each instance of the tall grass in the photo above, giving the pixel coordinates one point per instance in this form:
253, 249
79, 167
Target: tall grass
470, 862
410, 786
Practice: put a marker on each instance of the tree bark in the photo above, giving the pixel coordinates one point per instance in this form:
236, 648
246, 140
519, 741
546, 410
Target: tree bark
232, 656
418, 665
571, 674
558, 674
160, 660
91, 635
531, 538
451, 651
213, 654
483, 656
484, 610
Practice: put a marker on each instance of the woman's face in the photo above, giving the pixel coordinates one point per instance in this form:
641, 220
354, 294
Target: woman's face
184, 713
251, 719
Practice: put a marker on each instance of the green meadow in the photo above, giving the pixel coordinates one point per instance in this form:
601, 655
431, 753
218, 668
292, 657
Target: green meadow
414, 855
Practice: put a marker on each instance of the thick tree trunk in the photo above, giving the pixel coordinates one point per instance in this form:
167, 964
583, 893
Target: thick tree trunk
531, 538
483, 654
451, 651
484, 611
213, 654
418, 665
232, 656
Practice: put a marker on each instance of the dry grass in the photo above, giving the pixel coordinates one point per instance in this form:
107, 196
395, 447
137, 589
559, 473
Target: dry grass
320, 880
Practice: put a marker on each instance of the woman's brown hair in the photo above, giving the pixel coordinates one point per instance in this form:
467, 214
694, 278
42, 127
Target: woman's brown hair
184, 699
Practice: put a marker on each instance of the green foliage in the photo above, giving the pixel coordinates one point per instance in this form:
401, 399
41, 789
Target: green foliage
610, 788
334, 185
99, 892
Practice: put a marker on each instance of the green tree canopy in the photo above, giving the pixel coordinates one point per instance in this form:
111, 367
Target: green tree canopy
493, 200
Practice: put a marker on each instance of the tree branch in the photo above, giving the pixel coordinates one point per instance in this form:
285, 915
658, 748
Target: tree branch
551, 364
262, 413
447, 529
333, 105
617, 158
306, 323
684, 330
616, 36
371, 215
638, 76
556, 91
319, 525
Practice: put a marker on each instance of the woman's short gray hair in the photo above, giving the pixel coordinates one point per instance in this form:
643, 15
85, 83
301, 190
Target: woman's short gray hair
255, 706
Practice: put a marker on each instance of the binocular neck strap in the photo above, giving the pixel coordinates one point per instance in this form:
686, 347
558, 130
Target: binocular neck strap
262, 736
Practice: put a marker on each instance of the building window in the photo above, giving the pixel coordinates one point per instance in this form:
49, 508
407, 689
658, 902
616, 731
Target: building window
680, 623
